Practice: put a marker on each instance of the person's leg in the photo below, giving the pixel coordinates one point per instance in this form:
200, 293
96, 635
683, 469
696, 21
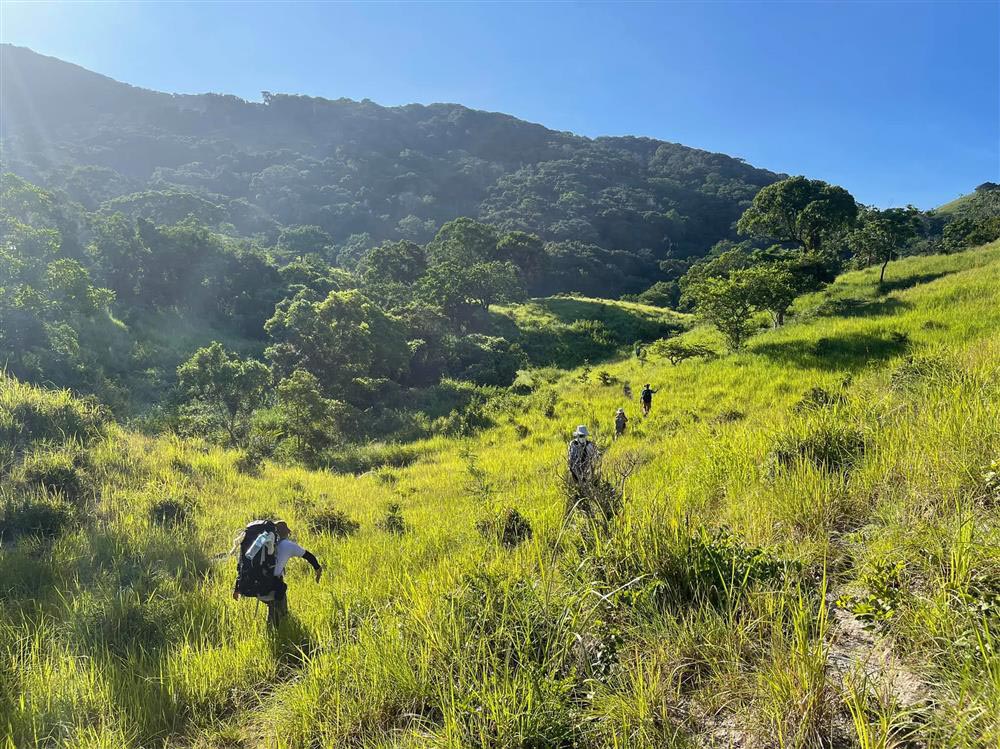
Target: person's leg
272, 614
280, 603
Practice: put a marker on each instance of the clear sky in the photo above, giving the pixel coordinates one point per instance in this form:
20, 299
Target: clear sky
899, 102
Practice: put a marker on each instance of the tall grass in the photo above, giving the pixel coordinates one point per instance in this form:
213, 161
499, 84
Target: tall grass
698, 614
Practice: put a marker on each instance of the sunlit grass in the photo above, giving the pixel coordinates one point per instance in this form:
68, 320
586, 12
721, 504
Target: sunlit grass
648, 632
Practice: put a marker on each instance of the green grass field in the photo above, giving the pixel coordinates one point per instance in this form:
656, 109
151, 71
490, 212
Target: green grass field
804, 554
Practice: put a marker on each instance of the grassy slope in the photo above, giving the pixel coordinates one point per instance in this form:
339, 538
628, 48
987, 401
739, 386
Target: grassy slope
570, 330
954, 206
125, 634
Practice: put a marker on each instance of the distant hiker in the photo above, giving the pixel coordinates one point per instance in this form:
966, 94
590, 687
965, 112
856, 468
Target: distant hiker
646, 397
627, 390
264, 549
582, 457
621, 420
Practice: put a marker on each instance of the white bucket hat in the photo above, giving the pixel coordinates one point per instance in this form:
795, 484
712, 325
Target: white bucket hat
581, 431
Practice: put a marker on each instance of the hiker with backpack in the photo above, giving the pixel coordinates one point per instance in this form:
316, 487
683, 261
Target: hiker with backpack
265, 547
646, 398
582, 458
621, 420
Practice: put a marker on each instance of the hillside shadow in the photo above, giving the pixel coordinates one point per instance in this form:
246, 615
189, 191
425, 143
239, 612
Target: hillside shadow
568, 332
862, 308
850, 351
910, 281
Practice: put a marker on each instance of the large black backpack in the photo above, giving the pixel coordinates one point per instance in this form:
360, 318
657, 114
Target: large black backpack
255, 575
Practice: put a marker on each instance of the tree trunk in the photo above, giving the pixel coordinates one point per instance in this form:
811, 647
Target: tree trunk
881, 276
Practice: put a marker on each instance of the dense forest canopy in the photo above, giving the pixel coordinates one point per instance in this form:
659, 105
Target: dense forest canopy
356, 173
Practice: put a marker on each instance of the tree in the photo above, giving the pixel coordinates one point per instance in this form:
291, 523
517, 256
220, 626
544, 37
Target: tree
226, 383
392, 269
464, 241
309, 418
772, 288
526, 251
304, 240
456, 288
799, 210
677, 351
882, 235
728, 304
339, 339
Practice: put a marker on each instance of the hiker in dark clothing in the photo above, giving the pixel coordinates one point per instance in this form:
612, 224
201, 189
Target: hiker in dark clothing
277, 548
582, 457
621, 420
646, 398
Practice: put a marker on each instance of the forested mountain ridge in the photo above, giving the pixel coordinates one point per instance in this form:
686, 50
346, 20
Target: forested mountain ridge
361, 172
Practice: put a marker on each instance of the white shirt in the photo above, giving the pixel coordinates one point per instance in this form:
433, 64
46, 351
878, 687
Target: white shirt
285, 550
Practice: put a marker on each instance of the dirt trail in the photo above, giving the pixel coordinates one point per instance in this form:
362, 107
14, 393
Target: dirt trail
856, 649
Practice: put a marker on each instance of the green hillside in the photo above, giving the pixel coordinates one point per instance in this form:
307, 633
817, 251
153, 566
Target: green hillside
354, 174
798, 548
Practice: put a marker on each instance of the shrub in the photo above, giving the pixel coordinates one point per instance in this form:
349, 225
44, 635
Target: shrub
358, 459
333, 521
883, 594
393, 521
508, 527
251, 460
606, 378
124, 622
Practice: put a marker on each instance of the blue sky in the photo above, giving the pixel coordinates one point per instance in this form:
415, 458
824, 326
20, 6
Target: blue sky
898, 102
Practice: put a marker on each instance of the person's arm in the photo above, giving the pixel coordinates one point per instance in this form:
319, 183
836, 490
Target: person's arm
309, 557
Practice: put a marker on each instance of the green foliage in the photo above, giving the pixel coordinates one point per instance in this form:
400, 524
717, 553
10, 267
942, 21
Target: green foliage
633, 629
333, 188
310, 420
677, 351
44, 517
799, 210
728, 304
31, 416
884, 592
882, 235
393, 521
234, 388
339, 340
62, 470
826, 443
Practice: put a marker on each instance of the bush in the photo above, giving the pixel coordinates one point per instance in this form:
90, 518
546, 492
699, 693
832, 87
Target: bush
333, 521
393, 521
124, 623
251, 460
508, 527
358, 459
